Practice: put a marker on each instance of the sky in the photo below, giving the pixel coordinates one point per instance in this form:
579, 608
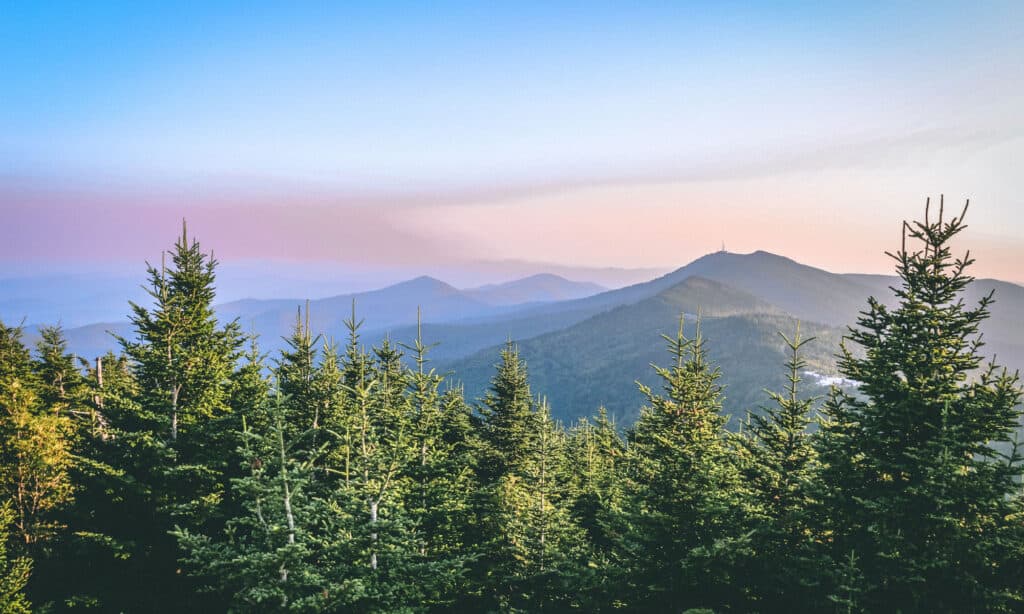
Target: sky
588, 134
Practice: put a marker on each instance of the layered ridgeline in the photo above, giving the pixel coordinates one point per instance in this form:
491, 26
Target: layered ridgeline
389, 308
587, 347
595, 363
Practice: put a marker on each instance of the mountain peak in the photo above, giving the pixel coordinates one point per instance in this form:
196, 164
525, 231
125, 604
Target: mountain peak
537, 288
423, 283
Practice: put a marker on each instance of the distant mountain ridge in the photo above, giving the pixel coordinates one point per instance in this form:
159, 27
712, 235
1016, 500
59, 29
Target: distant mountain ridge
543, 287
596, 362
745, 300
391, 307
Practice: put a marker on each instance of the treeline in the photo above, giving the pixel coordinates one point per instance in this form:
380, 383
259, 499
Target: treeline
192, 473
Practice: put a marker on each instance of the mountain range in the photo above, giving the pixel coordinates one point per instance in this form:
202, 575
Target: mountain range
587, 347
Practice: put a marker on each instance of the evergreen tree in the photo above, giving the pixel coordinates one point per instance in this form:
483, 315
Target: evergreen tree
680, 540
272, 557
182, 358
441, 473
184, 363
330, 416
295, 371
15, 358
35, 463
544, 540
781, 469
529, 544
596, 457
40, 416
14, 573
915, 489
507, 414
60, 380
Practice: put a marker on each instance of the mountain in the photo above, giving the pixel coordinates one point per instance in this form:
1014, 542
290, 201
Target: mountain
804, 292
392, 307
801, 290
540, 288
74, 300
87, 341
811, 294
596, 362
750, 298
1003, 333
588, 351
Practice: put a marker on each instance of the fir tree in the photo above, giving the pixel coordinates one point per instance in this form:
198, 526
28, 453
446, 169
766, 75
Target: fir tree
440, 473
272, 557
530, 545
35, 461
915, 487
596, 457
681, 540
183, 359
14, 573
60, 379
15, 358
112, 513
781, 469
507, 414
183, 362
295, 371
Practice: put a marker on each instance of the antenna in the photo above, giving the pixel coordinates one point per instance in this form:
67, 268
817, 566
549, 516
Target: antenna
723, 246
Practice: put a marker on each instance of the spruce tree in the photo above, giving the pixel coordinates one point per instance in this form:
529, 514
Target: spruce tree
596, 457
916, 489
15, 358
59, 377
271, 556
295, 371
508, 412
680, 536
35, 463
112, 513
780, 467
440, 473
183, 361
14, 573
530, 546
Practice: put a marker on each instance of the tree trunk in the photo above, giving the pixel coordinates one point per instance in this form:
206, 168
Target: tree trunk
373, 536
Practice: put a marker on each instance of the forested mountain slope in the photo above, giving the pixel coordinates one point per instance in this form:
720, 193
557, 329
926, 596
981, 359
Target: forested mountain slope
596, 362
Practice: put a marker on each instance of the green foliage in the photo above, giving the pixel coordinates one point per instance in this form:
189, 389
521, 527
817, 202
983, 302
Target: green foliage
681, 534
508, 415
597, 459
14, 573
178, 432
271, 557
779, 464
35, 458
913, 483
15, 359
530, 544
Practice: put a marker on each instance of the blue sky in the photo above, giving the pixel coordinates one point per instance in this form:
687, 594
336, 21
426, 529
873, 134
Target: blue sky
431, 102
